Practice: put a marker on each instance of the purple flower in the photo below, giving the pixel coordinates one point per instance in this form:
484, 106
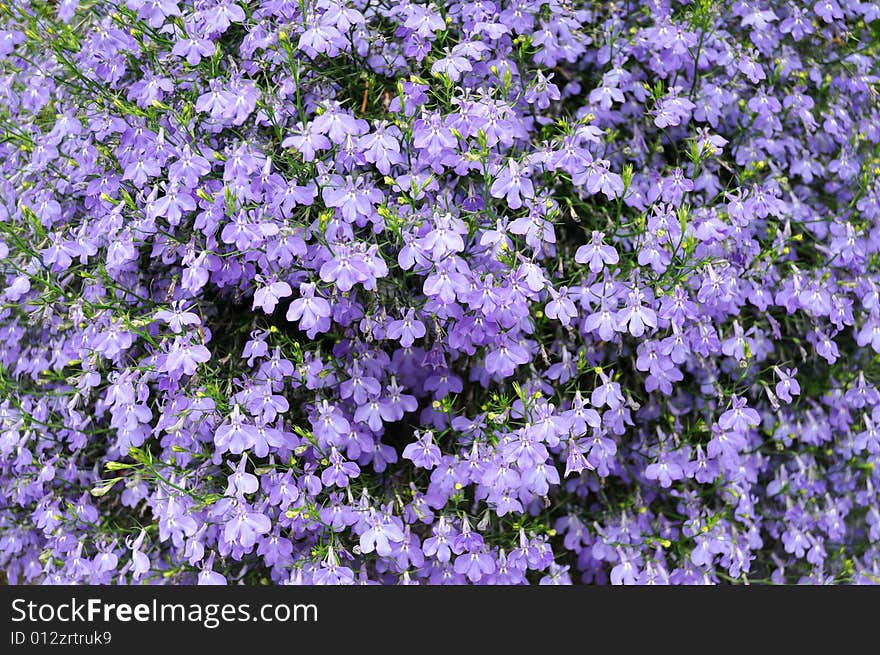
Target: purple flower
512, 183
241, 482
411, 184
671, 110
475, 565
234, 434
312, 312
452, 65
208, 576
184, 357
596, 254
381, 531
243, 525
787, 385
381, 146
339, 471
307, 140
635, 316
739, 418
406, 330
267, 297
423, 452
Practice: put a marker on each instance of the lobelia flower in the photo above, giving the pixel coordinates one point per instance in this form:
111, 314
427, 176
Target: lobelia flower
411, 181
312, 312
452, 65
381, 146
140, 563
381, 531
242, 525
331, 573
513, 184
787, 385
339, 471
208, 576
184, 357
635, 316
596, 254
406, 330
267, 297
423, 452
560, 307
739, 418
193, 49
307, 140
241, 482
235, 435
475, 565
671, 110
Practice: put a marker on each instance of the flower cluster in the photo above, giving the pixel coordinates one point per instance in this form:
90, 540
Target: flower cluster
422, 292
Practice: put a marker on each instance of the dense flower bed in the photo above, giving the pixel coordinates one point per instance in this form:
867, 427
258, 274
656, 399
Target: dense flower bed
501, 291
